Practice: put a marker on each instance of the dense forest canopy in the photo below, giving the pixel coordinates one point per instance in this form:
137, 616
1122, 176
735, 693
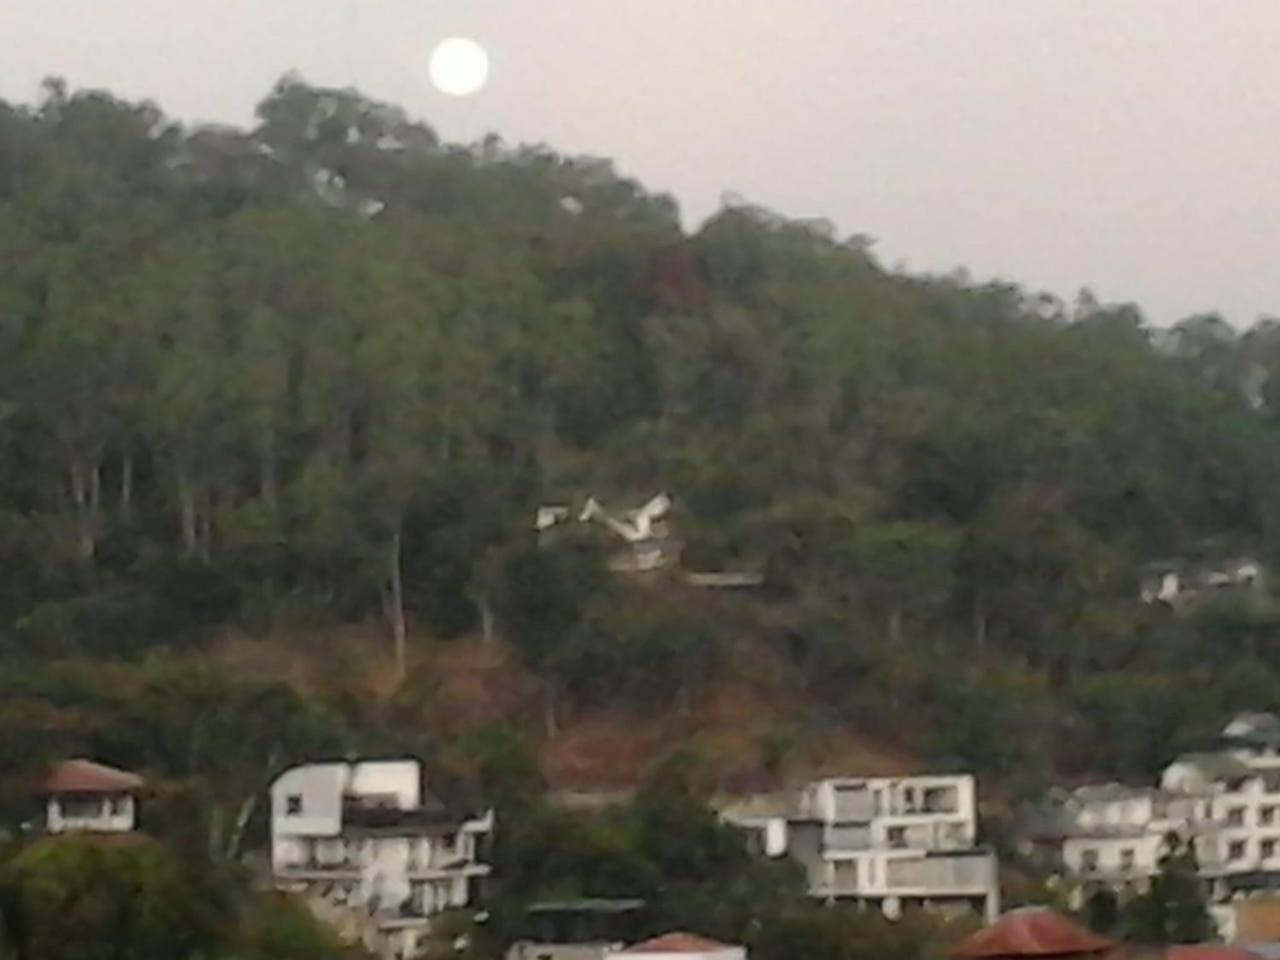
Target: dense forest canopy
325, 370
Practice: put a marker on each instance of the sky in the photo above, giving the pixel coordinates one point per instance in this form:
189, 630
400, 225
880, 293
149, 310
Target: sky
1131, 146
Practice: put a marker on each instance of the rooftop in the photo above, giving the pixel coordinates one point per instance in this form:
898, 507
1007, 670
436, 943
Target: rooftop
587, 905
1216, 766
86, 776
680, 942
1032, 932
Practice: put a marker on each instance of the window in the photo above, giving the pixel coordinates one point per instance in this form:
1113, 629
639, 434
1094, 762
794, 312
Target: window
1089, 861
116, 806
897, 837
1266, 815
80, 808
1268, 849
1127, 858
1235, 817
1235, 850
293, 805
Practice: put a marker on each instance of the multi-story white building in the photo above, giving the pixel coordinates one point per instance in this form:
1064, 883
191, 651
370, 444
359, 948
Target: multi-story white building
1111, 837
372, 852
890, 842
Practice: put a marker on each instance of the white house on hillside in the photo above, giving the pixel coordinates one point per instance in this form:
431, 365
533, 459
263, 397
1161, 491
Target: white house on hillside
1108, 839
81, 796
644, 535
372, 852
890, 842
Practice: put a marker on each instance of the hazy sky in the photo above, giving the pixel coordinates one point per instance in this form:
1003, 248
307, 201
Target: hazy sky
1129, 145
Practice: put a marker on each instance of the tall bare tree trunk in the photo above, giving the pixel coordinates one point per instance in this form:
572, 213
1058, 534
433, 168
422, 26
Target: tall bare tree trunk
979, 623
395, 603
85, 495
239, 825
187, 507
205, 529
95, 496
895, 626
268, 488
126, 487
486, 620
549, 709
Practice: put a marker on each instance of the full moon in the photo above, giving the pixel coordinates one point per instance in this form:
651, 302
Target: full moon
459, 67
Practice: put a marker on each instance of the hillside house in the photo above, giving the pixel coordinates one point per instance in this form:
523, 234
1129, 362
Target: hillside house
81, 796
372, 852
643, 537
764, 818
1179, 583
1108, 839
889, 842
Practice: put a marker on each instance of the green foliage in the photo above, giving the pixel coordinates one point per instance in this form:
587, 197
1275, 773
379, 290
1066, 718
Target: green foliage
83, 898
325, 370
275, 927
1175, 909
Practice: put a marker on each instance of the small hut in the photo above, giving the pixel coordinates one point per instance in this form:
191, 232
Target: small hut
1032, 932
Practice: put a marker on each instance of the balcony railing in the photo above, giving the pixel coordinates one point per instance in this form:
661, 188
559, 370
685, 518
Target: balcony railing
956, 875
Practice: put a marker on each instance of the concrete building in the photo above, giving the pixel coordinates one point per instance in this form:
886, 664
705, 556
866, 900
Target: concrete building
1109, 838
641, 539
81, 796
889, 842
372, 852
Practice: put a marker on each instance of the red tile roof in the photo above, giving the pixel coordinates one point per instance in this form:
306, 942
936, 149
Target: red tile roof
678, 942
1032, 932
85, 776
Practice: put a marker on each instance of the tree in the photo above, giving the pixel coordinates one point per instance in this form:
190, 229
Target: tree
1175, 908
83, 898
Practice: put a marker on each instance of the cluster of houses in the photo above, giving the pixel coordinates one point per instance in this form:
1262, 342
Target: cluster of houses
1107, 840
374, 853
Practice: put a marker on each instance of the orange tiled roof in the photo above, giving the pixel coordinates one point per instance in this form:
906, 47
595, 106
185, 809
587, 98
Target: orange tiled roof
85, 776
677, 942
1032, 932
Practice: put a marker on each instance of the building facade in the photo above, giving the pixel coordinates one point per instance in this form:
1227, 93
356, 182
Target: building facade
81, 796
889, 842
372, 852
1110, 838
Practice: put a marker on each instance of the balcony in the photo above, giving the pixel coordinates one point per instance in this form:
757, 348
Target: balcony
937, 875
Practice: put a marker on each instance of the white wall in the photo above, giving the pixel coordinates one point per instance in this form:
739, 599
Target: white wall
890, 796
400, 778
103, 819
1110, 855
320, 787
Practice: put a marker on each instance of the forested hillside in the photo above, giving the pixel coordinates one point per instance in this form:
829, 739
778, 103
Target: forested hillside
319, 373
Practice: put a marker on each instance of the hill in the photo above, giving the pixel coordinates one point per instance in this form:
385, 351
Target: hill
278, 408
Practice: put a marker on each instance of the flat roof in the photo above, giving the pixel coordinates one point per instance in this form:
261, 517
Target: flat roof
586, 905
